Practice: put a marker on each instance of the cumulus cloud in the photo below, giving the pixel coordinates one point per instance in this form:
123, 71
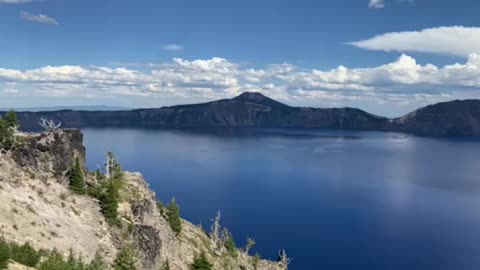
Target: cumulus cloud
376, 4
173, 47
402, 81
38, 18
453, 40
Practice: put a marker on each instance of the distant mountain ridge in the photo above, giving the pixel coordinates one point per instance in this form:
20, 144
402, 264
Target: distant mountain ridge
73, 108
456, 118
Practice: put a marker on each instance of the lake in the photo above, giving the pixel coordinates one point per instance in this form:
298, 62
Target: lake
332, 199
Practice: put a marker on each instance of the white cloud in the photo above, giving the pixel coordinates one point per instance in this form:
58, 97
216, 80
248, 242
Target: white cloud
376, 4
173, 47
38, 18
453, 40
10, 91
14, 1
403, 82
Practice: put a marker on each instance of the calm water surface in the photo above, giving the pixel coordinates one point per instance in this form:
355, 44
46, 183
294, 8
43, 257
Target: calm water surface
333, 200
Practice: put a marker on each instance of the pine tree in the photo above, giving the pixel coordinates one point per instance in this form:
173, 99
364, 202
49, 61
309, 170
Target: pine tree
54, 261
126, 259
201, 263
25, 254
74, 263
97, 263
173, 216
229, 243
111, 184
4, 253
11, 119
256, 260
109, 204
7, 136
77, 184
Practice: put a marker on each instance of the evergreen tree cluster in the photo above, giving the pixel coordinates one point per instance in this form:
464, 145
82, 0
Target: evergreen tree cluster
8, 126
43, 260
200, 262
56, 261
107, 189
24, 254
126, 259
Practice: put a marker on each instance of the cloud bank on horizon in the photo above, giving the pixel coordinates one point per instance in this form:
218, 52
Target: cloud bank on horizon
395, 82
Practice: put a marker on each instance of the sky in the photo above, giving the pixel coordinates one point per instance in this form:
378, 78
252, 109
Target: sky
387, 57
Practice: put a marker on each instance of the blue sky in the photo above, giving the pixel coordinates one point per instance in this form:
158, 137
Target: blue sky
304, 52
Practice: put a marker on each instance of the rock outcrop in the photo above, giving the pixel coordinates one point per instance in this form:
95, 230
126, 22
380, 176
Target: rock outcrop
458, 118
36, 206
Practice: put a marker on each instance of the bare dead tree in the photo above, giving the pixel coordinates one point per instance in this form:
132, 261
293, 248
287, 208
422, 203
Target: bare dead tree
110, 165
250, 244
14, 129
49, 125
283, 259
216, 230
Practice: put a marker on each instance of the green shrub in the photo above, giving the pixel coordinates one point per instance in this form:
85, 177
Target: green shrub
201, 263
7, 130
7, 139
173, 216
126, 259
230, 243
25, 254
96, 189
97, 263
11, 119
4, 253
45, 260
109, 190
256, 260
54, 261
74, 263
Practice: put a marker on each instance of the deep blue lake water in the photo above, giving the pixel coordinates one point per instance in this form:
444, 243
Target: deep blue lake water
332, 199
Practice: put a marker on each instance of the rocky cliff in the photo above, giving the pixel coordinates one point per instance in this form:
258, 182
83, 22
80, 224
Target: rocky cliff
36, 206
458, 118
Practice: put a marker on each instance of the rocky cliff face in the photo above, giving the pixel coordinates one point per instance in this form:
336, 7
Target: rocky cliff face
459, 118
56, 150
36, 206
